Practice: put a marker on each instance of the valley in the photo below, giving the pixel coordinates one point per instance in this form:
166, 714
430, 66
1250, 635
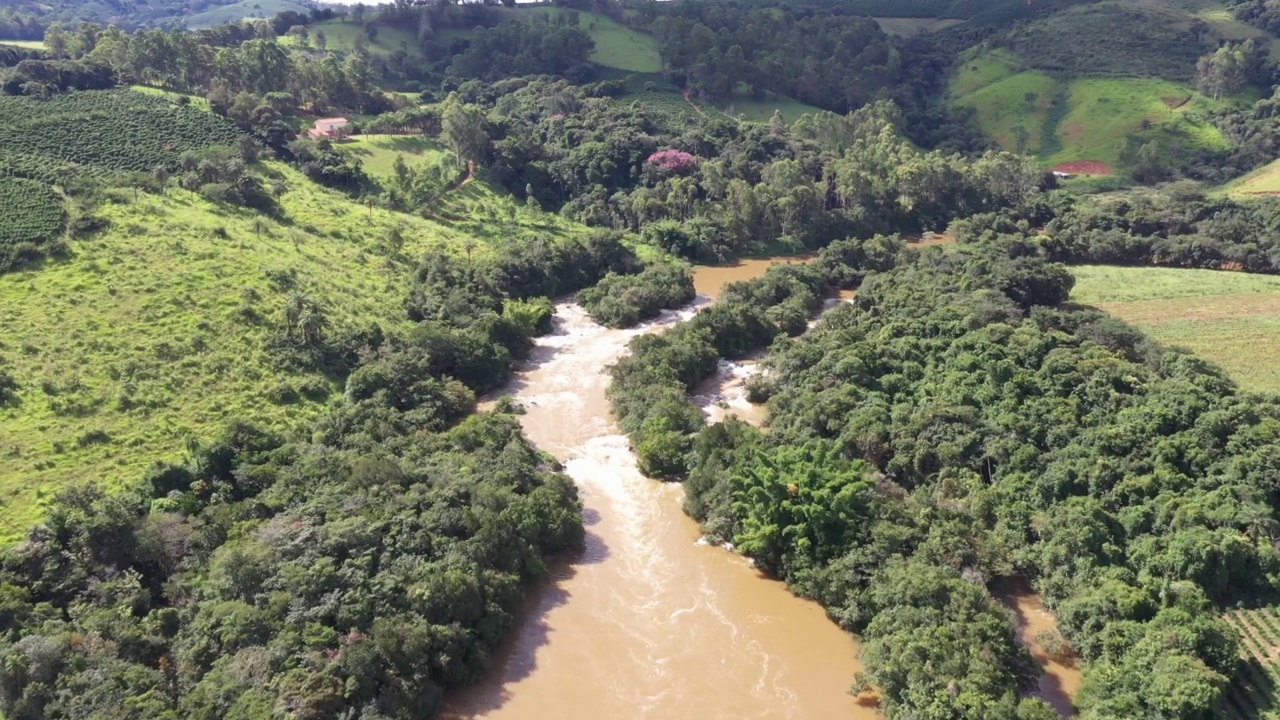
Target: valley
760, 359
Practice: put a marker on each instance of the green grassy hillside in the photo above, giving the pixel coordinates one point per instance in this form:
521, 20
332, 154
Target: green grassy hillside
1075, 85
340, 36
1084, 118
1230, 318
221, 14
156, 330
745, 108
476, 209
617, 46
1262, 181
910, 27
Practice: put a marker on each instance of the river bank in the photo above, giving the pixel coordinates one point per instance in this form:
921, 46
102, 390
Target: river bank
649, 622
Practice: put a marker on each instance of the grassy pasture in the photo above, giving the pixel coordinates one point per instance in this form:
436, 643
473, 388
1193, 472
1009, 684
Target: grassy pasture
221, 14
378, 153
340, 36
155, 331
1083, 118
479, 210
746, 108
1262, 181
1102, 112
910, 27
1023, 100
27, 44
1230, 318
617, 46
192, 100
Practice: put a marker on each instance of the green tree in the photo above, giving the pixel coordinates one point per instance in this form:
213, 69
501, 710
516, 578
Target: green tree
55, 38
1222, 72
463, 126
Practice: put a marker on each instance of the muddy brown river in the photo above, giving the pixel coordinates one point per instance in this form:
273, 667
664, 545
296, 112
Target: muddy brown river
651, 622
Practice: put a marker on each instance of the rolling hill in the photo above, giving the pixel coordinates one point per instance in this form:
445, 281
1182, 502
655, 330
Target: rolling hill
157, 330
1262, 181
234, 12
1076, 85
625, 52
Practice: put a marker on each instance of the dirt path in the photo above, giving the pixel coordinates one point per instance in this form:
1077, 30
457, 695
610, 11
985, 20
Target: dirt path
471, 175
686, 94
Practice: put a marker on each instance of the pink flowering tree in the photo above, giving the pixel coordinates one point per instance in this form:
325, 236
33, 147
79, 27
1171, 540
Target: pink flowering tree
673, 161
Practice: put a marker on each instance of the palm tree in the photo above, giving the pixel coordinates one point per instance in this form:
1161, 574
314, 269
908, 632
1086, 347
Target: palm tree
1258, 521
293, 311
313, 322
193, 451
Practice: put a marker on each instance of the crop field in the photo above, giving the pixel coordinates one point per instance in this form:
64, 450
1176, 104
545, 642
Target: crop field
666, 100
1253, 695
30, 212
1113, 38
1232, 319
85, 130
1080, 119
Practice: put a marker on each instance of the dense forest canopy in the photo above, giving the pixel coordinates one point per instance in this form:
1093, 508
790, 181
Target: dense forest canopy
957, 423
952, 426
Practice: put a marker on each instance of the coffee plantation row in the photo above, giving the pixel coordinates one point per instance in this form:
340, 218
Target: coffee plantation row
101, 132
32, 212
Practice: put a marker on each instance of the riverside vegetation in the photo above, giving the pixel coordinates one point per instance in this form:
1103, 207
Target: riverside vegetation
278, 501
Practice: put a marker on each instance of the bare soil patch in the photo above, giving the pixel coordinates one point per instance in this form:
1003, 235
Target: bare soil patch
1084, 167
927, 239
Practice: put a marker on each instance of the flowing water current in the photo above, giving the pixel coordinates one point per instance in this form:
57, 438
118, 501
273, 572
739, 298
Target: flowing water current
651, 622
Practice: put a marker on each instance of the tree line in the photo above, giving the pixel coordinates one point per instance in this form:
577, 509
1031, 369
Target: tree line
708, 189
359, 569
1179, 227
954, 425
